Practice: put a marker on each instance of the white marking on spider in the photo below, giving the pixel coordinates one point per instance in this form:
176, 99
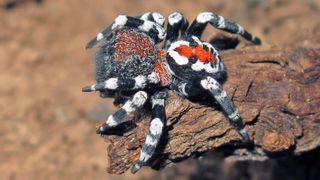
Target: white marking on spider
222, 95
151, 141
139, 98
157, 102
99, 36
156, 126
234, 115
146, 26
180, 60
128, 107
111, 83
153, 78
182, 88
121, 20
158, 18
221, 22
205, 17
161, 32
111, 121
145, 16
140, 82
240, 29
195, 38
93, 88
198, 66
210, 83
175, 18
143, 157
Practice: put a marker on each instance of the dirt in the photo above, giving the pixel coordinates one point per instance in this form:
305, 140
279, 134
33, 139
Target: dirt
48, 125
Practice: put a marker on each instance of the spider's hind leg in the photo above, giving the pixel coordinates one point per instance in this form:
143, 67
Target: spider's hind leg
122, 115
150, 27
198, 25
155, 130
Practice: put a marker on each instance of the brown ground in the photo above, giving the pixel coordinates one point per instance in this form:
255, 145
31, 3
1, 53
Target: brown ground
48, 125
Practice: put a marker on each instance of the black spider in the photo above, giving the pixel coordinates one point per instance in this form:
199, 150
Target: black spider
130, 63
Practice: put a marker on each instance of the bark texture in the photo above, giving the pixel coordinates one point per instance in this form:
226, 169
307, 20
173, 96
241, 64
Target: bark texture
277, 92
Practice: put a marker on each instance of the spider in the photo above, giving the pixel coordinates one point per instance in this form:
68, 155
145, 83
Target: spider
134, 68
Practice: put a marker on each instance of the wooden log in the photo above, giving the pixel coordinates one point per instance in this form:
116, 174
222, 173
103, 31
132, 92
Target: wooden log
277, 91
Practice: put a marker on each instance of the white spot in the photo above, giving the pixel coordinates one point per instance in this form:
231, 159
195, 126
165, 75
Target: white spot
210, 83
156, 126
158, 18
180, 60
111, 122
128, 107
210, 47
221, 22
146, 26
141, 82
161, 32
144, 156
205, 17
240, 29
99, 36
153, 78
157, 102
234, 115
139, 98
120, 21
198, 66
195, 38
145, 16
93, 88
151, 141
208, 68
111, 83
222, 95
182, 88
175, 18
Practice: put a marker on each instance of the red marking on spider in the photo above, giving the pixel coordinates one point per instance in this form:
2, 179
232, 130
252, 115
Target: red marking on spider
132, 43
161, 71
202, 54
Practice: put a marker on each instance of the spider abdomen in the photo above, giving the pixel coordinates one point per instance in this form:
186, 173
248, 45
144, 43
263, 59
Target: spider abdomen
129, 42
126, 53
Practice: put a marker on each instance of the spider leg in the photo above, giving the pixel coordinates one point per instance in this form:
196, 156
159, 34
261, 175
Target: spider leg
198, 25
122, 115
155, 129
125, 84
176, 23
220, 95
154, 17
133, 22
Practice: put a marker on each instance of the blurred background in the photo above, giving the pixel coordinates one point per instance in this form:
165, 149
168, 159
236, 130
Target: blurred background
47, 125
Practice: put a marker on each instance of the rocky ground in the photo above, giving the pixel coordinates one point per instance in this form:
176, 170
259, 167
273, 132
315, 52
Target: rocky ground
48, 125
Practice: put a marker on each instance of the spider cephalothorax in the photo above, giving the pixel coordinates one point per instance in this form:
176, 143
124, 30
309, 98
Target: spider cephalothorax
132, 62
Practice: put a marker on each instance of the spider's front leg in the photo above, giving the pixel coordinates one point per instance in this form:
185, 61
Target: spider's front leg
198, 25
176, 23
157, 124
220, 95
122, 115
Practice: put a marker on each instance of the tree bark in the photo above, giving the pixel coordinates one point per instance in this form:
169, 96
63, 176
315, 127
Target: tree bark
277, 92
